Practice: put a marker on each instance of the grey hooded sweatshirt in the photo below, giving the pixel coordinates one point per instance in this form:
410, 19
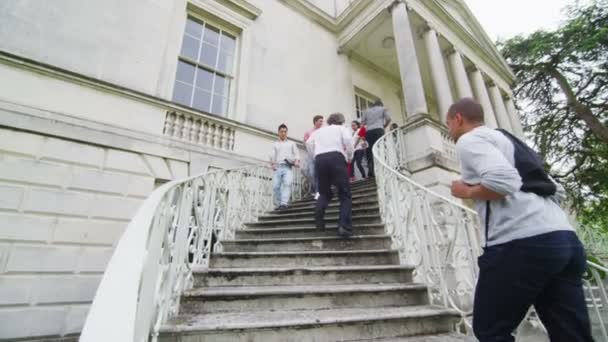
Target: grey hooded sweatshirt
486, 158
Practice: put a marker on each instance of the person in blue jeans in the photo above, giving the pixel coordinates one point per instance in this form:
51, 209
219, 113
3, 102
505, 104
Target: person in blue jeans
532, 255
284, 157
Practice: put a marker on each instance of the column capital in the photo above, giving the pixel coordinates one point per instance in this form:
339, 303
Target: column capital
449, 51
426, 28
490, 83
395, 3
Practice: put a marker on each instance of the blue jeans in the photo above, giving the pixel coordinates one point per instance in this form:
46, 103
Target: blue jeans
544, 271
313, 175
281, 185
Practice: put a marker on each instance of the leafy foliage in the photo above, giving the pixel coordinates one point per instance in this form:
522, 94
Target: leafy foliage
562, 92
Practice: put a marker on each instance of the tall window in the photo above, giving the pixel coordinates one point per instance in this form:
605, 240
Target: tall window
205, 68
362, 102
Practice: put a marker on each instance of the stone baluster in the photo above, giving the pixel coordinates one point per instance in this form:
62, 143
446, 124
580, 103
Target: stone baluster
179, 127
169, 122
187, 129
195, 134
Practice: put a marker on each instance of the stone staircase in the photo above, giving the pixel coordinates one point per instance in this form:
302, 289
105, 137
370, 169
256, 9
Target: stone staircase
284, 280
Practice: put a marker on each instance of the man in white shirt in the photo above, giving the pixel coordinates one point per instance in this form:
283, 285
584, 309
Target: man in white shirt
332, 148
284, 157
317, 123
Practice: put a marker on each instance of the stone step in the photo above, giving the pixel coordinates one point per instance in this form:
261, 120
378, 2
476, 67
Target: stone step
335, 204
328, 275
304, 259
453, 337
330, 243
306, 231
354, 197
329, 221
362, 210
300, 297
310, 325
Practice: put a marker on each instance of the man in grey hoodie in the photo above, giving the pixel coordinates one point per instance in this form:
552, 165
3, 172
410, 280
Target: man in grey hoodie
532, 255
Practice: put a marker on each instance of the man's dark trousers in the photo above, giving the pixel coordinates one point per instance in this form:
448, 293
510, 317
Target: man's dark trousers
331, 170
372, 136
544, 271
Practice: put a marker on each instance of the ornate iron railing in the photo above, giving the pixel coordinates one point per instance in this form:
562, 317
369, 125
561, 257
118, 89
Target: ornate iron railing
177, 227
597, 299
433, 233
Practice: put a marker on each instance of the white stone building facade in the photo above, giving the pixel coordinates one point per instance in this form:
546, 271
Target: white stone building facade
102, 101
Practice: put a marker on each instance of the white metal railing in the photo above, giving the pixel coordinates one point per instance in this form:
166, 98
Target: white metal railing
176, 227
433, 233
597, 299
441, 237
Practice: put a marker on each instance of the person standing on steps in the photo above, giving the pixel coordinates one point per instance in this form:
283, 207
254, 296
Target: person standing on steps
375, 119
532, 255
317, 122
284, 157
359, 144
333, 149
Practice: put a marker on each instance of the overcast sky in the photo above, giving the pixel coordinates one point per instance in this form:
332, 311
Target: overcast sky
505, 19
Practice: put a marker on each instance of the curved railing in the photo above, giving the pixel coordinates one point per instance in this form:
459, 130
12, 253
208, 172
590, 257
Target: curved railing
432, 232
440, 237
597, 299
176, 227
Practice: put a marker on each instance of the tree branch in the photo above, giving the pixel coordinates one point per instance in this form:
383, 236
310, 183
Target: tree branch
581, 111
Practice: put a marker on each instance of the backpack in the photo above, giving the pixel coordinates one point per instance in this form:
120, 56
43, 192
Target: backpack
529, 165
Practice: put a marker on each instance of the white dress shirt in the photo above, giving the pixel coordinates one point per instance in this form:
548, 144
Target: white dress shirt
332, 138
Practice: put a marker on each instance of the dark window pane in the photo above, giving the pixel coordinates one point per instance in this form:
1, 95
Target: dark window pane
220, 105
208, 55
222, 85
212, 35
202, 100
228, 43
194, 28
204, 79
190, 47
182, 93
185, 72
224, 63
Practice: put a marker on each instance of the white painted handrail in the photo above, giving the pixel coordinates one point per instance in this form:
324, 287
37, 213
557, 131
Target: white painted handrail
437, 235
176, 227
597, 298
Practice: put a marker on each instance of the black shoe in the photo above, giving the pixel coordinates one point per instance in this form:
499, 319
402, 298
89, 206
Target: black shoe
345, 233
282, 207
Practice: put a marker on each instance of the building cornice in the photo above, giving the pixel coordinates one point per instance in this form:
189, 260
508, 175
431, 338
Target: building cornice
243, 7
104, 86
314, 13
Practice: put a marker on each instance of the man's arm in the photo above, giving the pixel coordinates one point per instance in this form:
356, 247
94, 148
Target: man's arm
296, 154
273, 157
347, 142
387, 118
481, 159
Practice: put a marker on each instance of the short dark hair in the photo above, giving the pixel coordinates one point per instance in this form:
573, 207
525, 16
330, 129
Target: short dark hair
356, 122
470, 109
317, 118
335, 119
378, 103
283, 126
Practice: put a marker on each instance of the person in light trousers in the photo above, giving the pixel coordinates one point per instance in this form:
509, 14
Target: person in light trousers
284, 157
317, 122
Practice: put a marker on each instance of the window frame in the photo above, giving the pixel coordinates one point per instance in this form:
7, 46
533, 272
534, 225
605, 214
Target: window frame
231, 77
363, 95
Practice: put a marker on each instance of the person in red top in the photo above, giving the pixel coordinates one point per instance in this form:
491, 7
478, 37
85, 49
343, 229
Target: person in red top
359, 145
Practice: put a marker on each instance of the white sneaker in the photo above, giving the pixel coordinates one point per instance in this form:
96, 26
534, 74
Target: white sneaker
316, 196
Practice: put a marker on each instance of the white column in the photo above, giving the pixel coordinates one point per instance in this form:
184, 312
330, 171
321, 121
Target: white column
481, 94
463, 87
409, 70
515, 118
499, 108
439, 74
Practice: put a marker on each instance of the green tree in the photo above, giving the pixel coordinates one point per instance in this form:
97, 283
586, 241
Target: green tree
562, 93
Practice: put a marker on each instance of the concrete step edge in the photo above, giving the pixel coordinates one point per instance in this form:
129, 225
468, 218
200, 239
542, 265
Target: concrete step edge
300, 318
311, 269
305, 253
286, 290
307, 239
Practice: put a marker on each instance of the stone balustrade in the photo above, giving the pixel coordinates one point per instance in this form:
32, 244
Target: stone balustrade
198, 129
